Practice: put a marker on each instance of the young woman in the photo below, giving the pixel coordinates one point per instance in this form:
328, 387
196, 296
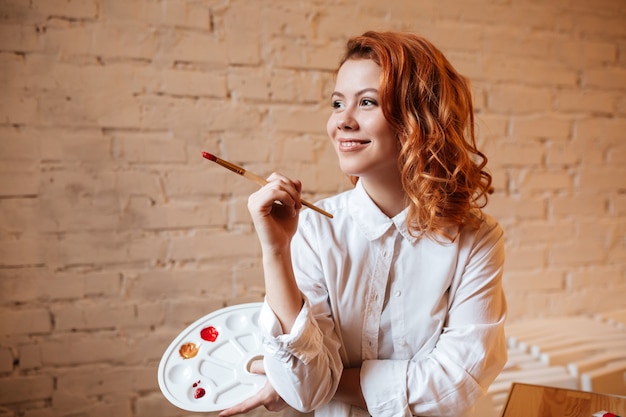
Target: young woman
395, 306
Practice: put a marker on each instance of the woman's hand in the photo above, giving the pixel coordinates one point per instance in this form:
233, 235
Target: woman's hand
266, 397
274, 209
349, 390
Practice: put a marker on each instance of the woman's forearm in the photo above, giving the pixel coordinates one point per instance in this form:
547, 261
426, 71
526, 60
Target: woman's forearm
281, 291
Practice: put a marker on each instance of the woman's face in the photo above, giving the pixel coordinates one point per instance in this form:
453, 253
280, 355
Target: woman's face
363, 139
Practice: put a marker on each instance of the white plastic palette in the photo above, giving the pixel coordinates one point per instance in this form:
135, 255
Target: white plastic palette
215, 375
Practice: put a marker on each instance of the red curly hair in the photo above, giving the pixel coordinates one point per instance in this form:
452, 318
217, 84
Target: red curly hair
429, 106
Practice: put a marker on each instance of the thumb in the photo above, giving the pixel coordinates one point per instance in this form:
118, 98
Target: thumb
256, 367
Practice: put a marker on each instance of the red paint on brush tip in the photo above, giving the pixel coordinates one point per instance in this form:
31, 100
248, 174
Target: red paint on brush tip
209, 156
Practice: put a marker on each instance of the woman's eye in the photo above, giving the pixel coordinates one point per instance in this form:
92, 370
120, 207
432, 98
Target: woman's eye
336, 104
368, 102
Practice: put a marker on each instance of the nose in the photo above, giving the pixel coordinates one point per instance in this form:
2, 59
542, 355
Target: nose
346, 122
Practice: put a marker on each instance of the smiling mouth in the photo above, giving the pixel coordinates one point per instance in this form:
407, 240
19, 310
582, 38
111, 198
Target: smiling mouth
347, 144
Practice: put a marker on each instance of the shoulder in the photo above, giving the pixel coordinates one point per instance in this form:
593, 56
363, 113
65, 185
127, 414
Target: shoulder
487, 234
486, 224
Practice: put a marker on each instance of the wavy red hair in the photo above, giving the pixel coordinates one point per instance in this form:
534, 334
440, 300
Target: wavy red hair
429, 105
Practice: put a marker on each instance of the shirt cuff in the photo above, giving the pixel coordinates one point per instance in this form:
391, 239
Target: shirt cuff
304, 342
383, 384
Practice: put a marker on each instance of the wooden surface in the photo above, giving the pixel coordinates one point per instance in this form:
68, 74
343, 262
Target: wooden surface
526, 400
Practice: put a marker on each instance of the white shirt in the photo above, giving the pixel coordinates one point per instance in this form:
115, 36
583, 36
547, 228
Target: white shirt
424, 320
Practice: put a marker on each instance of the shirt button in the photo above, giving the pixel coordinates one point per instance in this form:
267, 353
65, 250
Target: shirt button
398, 293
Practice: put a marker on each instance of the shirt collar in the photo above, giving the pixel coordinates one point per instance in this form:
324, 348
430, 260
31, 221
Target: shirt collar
371, 220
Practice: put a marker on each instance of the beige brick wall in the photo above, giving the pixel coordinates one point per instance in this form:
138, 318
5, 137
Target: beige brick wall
115, 233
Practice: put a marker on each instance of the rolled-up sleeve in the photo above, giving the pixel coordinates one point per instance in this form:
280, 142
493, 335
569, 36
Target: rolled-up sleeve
304, 342
303, 366
388, 399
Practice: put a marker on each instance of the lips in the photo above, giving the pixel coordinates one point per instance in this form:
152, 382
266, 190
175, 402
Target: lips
352, 144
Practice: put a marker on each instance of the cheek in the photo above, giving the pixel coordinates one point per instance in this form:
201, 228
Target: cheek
330, 126
387, 136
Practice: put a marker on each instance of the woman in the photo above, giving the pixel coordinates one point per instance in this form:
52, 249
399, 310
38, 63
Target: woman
395, 306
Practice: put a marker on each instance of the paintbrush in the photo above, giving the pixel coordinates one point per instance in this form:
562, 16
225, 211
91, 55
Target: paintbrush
253, 177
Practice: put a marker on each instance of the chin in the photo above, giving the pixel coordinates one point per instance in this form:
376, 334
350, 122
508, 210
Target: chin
349, 170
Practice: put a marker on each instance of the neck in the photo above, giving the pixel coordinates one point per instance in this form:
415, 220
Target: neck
389, 196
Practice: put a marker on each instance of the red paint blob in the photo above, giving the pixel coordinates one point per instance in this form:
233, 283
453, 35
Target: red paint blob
209, 334
199, 393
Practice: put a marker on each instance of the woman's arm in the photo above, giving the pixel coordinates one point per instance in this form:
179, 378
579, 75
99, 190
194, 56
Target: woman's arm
466, 355
281, 291
302, 360
275, 212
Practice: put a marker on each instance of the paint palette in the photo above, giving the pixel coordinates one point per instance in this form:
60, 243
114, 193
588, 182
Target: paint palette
206, 368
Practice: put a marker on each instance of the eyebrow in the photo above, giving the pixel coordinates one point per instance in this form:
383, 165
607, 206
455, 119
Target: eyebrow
358, 93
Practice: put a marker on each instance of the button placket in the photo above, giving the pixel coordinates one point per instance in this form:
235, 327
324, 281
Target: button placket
374, 306
397, 311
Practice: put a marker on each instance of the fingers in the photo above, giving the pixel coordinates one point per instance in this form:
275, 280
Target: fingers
286, 190
280, 195
244, 407
266, 397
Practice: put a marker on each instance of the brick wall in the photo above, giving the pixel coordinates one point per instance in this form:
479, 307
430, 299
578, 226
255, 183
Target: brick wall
115, 233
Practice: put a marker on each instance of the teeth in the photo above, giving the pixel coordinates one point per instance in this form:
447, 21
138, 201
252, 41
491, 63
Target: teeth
351, 144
